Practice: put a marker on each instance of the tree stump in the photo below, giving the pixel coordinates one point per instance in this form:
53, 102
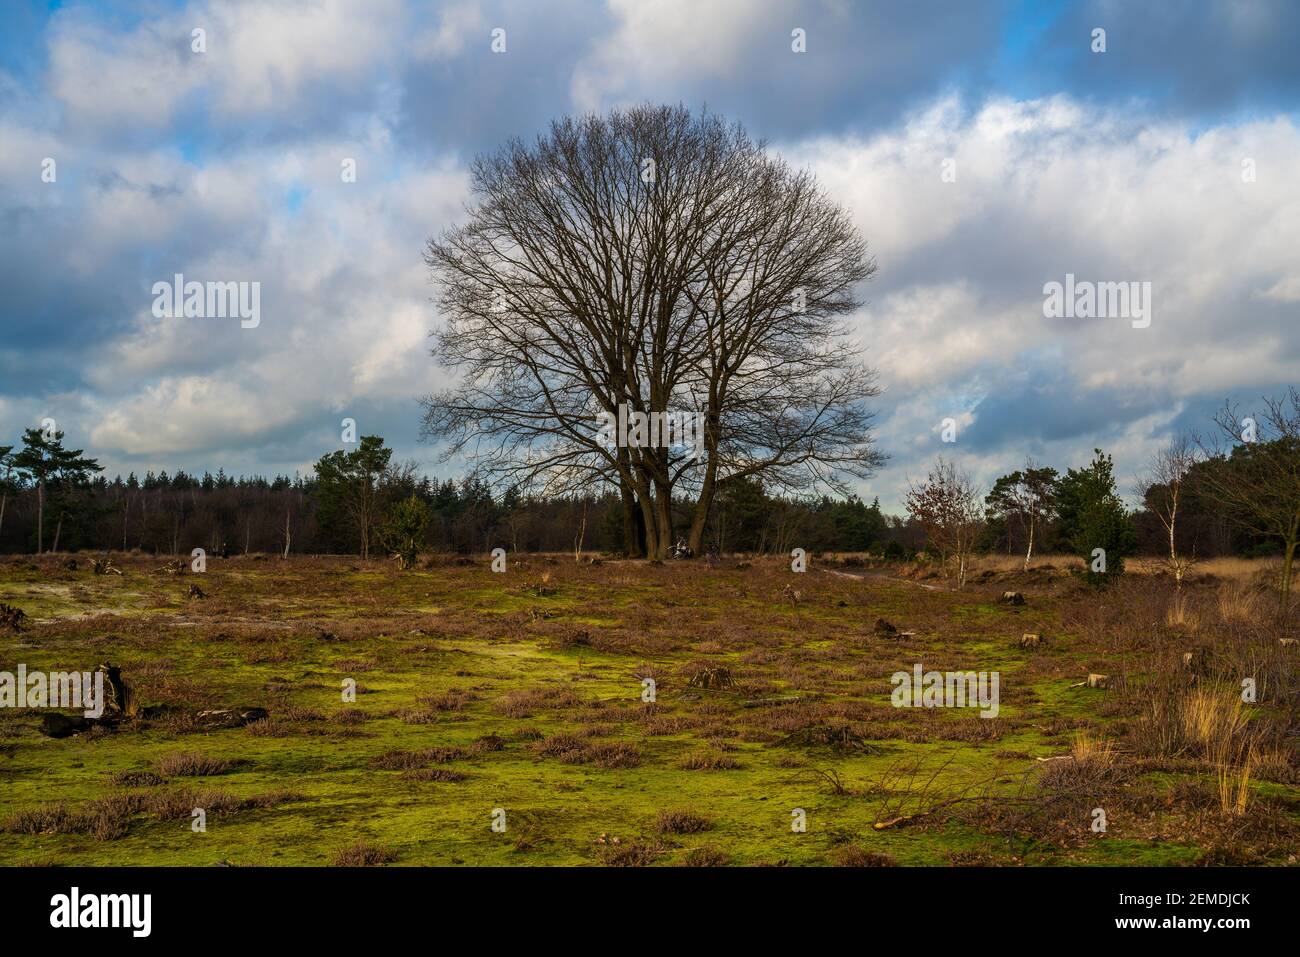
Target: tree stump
1196, 662
11, 617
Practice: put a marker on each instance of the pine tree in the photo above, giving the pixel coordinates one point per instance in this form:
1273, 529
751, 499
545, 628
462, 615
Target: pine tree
51, 467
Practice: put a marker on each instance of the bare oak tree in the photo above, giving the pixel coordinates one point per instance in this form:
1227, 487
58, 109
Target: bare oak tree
650, 261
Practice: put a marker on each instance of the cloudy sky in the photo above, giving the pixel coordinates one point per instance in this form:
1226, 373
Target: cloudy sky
1172, 158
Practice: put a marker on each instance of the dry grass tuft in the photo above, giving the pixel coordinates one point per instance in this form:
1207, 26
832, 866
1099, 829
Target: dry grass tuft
1182, 615
1238, 604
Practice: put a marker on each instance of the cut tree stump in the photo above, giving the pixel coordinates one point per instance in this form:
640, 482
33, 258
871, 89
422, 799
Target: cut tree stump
11, 617
1094, 681
1196, 662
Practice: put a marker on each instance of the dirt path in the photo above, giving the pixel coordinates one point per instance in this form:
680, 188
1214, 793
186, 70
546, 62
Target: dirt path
886, 578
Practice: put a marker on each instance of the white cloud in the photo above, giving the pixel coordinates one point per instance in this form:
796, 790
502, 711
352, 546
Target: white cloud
1048, 187
457, 23
658, 46
260, 58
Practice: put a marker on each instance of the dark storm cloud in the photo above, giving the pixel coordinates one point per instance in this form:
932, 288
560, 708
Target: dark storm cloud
1035, 398
1206, 59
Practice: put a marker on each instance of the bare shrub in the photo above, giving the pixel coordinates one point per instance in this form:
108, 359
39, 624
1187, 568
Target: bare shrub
572, 749
1091, 768
631, 854
362, 854
409, 760
611, 755
486, 744
708, 760
109, 817
520, 704
49, 819
453, 699
441, 775
854, 856
704, 857
681, 822
192, 764
136, 779
971, 857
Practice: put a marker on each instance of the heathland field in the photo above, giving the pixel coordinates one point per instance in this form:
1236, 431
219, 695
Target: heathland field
517, 698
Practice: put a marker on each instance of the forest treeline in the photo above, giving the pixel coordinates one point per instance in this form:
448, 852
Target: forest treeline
57, 499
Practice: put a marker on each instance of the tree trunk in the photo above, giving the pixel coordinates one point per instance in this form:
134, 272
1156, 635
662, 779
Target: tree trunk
582, 534
664, 517
1030, 553
3, 501
701, 516
631, 527
1287, 562
40, 516
1173, 551
58, 529
286, 533
652, 544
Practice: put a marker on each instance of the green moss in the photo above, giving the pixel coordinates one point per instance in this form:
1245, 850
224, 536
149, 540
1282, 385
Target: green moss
463, 633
